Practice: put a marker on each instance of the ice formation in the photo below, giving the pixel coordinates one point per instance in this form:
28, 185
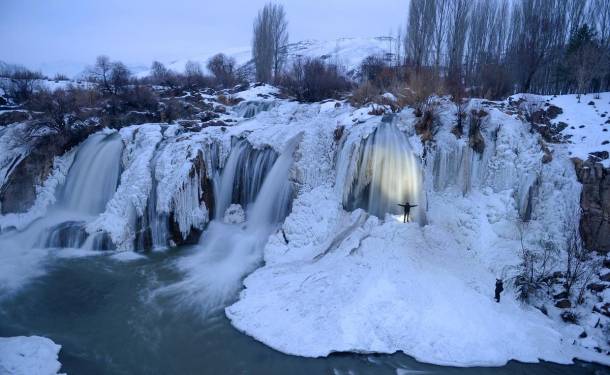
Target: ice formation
302, 201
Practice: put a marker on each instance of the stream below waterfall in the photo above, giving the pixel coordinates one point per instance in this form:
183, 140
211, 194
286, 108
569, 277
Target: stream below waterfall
110, 319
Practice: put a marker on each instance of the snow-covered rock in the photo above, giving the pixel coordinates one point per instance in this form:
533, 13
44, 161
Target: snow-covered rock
33, 355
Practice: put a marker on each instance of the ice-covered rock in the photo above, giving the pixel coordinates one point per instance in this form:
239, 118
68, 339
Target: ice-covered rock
234, 214
33, 355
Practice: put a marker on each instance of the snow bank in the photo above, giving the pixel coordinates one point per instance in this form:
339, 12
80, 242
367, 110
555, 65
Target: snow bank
33, 355
384, 287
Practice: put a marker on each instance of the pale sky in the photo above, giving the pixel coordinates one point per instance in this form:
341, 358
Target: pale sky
51, 34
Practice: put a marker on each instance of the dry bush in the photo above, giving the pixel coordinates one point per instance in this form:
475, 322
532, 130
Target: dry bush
429, 123
313, 80
364, 94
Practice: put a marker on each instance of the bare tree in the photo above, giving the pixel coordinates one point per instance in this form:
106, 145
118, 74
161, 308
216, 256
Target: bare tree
21, 83
193, 74
158, 73
119, 77
100, 73
223, 68
420, 29
599, 16
269, 44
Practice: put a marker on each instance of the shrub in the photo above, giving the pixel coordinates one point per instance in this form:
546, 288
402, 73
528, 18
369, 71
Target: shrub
312, 80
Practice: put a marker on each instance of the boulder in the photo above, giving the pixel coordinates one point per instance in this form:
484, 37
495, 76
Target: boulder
563, 304
234, 214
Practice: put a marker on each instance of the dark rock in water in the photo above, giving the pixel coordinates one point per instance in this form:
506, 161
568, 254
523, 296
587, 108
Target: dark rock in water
563, 304
102, 241
68, 234
595, 204
595, 287
13, 116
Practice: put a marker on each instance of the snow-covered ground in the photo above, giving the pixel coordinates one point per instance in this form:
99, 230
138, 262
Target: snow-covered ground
33, 355
588, 121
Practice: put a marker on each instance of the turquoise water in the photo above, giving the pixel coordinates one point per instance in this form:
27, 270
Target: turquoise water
109, 319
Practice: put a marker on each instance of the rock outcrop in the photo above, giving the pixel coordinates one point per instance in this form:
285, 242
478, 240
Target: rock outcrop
595, 204
19, 191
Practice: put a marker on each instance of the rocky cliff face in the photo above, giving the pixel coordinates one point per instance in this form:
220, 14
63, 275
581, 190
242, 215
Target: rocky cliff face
595, 204
19, 190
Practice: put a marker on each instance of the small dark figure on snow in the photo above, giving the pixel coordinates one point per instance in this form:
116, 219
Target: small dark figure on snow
407, 207
499, 289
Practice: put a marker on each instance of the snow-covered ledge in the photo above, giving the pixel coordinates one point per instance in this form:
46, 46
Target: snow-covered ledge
33, 355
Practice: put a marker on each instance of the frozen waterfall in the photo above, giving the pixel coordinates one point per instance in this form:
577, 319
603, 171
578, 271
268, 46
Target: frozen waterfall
380, 172
227, 252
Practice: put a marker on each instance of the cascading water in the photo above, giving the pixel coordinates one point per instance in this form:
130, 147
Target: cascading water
227, 252
89, 185
381, 172
250, 109
242, 176
94, 175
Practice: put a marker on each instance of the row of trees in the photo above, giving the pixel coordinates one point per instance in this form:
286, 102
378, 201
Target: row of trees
495, 47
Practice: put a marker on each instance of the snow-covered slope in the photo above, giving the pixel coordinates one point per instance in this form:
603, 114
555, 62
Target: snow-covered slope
587, 120
349, 52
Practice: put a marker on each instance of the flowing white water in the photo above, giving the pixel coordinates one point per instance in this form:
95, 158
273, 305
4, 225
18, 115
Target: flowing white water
94, 176
227, 252
242, 176
90, 184
382, 172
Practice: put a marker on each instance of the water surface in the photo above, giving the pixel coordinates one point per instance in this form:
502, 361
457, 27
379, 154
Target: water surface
110, 318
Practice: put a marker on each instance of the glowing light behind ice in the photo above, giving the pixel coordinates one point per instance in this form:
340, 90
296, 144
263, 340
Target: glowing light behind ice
382, 171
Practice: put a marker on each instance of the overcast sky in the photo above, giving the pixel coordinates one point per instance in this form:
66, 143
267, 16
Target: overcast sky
43, 34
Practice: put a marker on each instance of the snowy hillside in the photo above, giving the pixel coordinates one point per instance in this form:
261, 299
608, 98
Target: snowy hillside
349, 52
586, 123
